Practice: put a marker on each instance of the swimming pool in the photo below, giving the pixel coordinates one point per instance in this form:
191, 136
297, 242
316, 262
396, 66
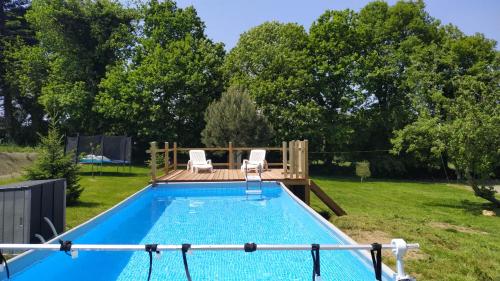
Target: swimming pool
208, 213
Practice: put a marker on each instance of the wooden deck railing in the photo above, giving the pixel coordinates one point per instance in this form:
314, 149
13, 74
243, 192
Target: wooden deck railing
294, 156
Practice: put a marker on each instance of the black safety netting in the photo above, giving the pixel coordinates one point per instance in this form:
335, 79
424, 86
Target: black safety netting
107, 149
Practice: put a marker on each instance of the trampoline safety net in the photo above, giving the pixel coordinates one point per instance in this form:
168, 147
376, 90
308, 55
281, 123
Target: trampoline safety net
106, 149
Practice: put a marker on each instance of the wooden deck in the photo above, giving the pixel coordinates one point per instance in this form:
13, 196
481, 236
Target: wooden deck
225, 175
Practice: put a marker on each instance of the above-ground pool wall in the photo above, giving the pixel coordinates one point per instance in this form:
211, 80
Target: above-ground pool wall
301, 191
24, 205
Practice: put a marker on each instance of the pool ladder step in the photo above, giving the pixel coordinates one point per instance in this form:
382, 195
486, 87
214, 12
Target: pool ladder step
253, 179
253, 192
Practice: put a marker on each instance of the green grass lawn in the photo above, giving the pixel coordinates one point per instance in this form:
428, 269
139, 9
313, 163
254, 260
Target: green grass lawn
8, 180
17, 148
104, 191
457, 241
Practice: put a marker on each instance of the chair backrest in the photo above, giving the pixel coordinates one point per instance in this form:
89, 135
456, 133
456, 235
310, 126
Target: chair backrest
197, 156
257, 155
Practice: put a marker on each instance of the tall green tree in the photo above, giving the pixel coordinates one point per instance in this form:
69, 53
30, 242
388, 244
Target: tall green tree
273, 63
456, 97
234, 118
334, 45
162, 90
17, 109
78, 40
388, 36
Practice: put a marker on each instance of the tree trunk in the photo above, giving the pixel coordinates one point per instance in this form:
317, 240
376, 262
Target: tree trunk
8, 114
485, 192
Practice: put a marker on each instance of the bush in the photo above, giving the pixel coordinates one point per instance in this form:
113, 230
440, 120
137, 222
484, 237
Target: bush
363, 170
51, 163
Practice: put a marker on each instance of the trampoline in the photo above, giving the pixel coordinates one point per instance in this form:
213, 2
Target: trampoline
100, 149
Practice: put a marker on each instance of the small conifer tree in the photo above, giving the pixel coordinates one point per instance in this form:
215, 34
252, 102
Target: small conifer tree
52, 163
234, 118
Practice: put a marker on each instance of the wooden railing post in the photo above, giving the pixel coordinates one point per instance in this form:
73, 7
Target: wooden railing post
165, 156
285, 160
153, 161
291, 149
306, 159
230, 156
175, 156
300, 157
296, 157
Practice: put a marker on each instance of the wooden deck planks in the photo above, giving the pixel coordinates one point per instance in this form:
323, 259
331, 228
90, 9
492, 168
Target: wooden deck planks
218, 175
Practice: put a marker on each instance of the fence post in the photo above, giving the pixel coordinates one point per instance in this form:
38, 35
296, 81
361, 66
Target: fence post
165, 156
175, 156
152, 150
230, 155
285, 164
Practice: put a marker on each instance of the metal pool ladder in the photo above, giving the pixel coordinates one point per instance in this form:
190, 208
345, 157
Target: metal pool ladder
253, 179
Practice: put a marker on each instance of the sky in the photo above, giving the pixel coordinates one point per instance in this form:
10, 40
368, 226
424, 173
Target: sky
227, 19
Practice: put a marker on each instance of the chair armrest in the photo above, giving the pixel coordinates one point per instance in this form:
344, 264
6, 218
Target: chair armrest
209, 161
188, 167
245, 161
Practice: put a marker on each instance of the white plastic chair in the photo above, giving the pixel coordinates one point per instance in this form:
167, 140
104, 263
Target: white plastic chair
257, 158
198, 161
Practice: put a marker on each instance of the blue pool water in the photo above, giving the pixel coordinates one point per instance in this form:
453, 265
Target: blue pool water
215, 213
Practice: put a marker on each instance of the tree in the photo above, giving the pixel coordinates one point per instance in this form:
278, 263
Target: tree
235, 119
273, 63
51, 163
163, 88
334, 44
14, 31
458, 109
78, 40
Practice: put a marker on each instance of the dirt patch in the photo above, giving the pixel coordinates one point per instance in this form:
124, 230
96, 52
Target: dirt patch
458, 228
368, 237
13, 163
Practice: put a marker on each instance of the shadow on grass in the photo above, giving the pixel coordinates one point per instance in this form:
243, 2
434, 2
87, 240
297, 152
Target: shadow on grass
85, 204
474, 208
110, 174
325, 214
374, 180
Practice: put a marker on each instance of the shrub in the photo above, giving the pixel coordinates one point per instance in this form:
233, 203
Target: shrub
363, 169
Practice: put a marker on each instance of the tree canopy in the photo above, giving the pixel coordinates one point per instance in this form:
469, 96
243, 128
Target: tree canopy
387, 77
161, 90
272, 62
234, 118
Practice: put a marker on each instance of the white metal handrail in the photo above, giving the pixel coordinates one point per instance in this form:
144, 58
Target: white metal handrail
220, 247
